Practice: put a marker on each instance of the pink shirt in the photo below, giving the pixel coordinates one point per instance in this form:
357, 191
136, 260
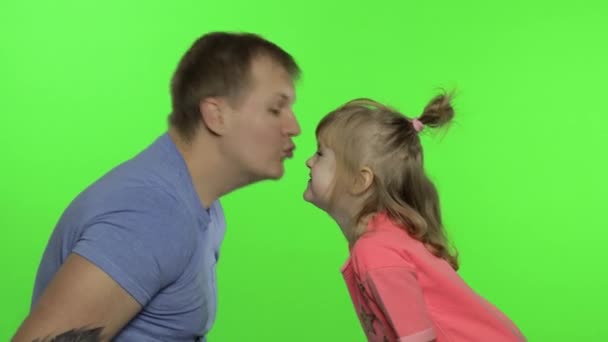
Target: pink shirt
402, 292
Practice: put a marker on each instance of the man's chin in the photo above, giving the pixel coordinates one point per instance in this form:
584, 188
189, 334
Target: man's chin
274, 173
278, 172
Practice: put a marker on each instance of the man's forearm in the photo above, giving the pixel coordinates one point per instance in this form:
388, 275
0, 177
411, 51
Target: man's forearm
75, 335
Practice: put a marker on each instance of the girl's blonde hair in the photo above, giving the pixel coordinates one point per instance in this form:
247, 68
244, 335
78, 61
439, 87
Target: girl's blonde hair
363, 133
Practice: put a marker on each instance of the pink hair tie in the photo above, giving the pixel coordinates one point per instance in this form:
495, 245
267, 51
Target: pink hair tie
418, 125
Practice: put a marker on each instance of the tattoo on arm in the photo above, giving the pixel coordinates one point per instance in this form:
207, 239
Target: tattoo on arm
75, 335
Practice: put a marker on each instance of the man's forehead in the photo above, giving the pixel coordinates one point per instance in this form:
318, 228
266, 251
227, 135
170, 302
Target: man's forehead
273, 78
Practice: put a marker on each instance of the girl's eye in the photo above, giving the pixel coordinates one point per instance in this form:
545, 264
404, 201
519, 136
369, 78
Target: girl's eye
319, 153
275, 111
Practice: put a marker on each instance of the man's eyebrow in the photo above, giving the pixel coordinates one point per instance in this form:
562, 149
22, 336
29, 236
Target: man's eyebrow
285, 97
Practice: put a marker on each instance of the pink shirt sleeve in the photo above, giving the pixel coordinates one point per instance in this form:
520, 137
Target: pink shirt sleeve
396, 291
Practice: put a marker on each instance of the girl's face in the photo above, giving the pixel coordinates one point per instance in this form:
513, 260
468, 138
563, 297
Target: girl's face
322, 167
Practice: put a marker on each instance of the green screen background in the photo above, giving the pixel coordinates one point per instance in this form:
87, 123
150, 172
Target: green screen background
521, 174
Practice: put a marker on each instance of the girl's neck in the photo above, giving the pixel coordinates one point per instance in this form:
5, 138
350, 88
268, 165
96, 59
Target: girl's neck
350, 227
346, 213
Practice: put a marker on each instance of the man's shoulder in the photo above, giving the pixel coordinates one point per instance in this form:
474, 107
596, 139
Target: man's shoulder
130, 193
143, 180
124, 201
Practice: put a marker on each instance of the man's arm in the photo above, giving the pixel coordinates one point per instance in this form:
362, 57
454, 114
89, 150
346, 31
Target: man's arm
76, 335
80, 294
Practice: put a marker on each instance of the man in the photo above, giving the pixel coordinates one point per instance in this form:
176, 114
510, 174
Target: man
135, 253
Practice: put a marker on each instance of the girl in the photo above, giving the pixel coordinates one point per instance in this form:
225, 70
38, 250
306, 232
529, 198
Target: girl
368, 175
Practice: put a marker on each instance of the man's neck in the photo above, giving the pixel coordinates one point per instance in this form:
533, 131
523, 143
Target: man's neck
211, 173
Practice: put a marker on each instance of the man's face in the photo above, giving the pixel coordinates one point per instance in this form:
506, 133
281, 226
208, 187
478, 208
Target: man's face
263, 123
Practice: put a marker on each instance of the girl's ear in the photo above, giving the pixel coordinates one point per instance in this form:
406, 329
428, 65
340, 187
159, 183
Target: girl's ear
363, 181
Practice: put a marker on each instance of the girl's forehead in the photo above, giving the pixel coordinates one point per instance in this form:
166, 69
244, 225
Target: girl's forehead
321, 143
322, 137
326, 138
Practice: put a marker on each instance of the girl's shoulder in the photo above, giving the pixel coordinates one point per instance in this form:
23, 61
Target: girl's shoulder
380, 249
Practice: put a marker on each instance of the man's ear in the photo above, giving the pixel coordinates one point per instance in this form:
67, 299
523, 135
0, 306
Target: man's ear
213, 112
363, 181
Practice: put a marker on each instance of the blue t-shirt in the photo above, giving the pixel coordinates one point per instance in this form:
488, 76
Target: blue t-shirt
144, 225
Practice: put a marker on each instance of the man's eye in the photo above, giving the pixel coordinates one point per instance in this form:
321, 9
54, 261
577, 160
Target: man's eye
319, 153
275, 111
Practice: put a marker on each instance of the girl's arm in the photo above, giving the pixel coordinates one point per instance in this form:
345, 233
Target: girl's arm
398, 294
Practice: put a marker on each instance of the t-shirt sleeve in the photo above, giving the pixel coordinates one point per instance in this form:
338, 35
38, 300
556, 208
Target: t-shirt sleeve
142, 244
397, 293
